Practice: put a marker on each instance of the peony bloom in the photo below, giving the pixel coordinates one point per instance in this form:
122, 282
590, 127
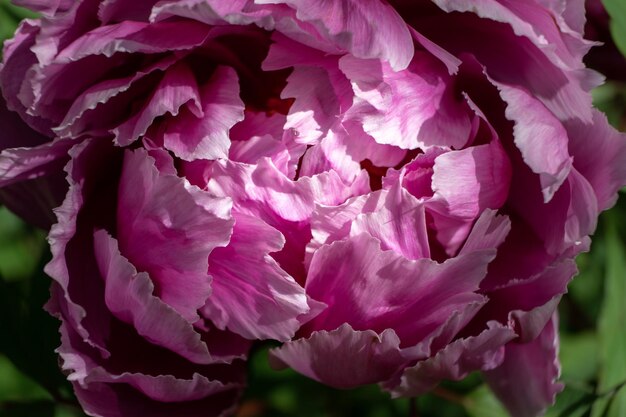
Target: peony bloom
398, 202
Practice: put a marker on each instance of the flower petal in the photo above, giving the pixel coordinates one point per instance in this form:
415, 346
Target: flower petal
533, 365
168, 228
252, 296
355, 25
191, 136
342, 358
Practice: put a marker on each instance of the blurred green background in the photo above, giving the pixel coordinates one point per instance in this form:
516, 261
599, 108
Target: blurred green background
593, 320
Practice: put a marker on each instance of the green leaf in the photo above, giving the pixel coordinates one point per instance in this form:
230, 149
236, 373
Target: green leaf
29, 334
21, 247
617, 11
578, 356
15, 386
31, 409
612, 325
572, 402
482, 403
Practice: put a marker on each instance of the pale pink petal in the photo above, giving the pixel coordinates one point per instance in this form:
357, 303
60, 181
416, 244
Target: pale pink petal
413, 108
316, 105
472, 180
400, 224
260, 135
355, 27
262, 188
213, 12
489, 231
540, 137
465, 183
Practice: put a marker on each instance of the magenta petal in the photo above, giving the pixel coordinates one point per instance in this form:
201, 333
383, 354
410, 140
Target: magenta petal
316, 105
166, 388
534, 366
17, 62
129, 296
540, 136
400, 224
472, 180
192, 136
84, 108
489, 231
533, 301
547, 29
455, 361
177, 87
599, 153
130, 36
45, 6
262, 188
412, 108
168, 228
342, 358
375, 289
252, 296
354, 25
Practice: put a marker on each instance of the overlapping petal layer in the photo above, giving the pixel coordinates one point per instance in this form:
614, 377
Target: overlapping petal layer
397, 202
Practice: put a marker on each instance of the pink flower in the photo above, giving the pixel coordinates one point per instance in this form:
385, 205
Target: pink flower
396, 201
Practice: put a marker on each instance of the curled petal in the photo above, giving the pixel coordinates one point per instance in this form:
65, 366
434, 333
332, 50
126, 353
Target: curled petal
342, 358
533, 365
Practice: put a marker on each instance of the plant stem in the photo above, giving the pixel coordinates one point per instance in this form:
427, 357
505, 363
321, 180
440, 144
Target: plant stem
413, 407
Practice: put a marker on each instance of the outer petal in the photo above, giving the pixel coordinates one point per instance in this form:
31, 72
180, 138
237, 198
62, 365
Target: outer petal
540, 136
455, 361
534, 21
342, 358
129, 296
87, 108
130, 36
14, 73
374, 289
599, 153
534, 366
